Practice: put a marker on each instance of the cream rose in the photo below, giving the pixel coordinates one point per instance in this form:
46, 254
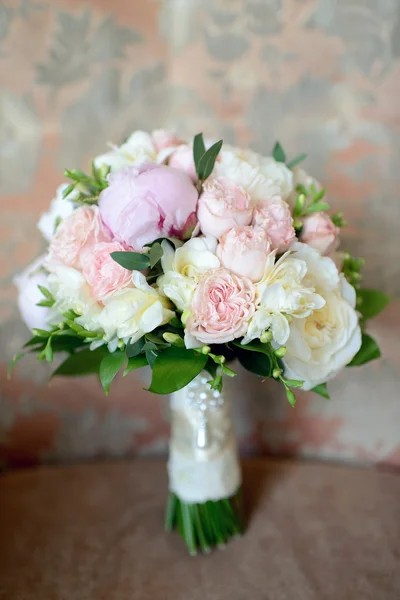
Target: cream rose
184, 267
222, 205
322, 344
222, 306
130, 313
139, 148
243, 250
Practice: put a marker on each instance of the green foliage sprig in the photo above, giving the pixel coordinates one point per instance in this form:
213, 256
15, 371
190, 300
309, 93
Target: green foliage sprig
86, 188
204, 160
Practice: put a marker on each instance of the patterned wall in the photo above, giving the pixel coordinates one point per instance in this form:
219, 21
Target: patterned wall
323, 76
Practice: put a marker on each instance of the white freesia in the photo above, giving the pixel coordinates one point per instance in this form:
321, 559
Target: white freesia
132, 312
60, 208
138, 148
273, 171
71, 292
184, 267
29, 294
283, 291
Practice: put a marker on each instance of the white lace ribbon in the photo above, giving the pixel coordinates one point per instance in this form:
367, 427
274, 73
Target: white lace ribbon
203, 463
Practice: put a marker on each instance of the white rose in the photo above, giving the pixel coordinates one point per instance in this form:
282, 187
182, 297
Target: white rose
60, 208
72, 292
138, 148
29, 295
322, 344
234, 164
277, 173
282, 291
184, 267
132, 312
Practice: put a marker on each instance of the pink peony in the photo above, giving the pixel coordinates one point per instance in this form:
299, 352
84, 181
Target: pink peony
243, 250
274, 217
320, 233
103, 274
163, 139
182, 159
223, 205
139, 207
222, 306
74, 235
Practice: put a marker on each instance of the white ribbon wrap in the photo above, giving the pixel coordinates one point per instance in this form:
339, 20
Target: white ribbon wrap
203, 462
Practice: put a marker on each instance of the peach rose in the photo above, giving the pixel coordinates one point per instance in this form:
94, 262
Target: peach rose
222, 306
223, 205
274, 217
182, 159
320, 233
243, 250
103, 274
74, 235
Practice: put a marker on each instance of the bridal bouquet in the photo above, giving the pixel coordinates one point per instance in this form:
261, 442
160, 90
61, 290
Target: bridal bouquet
183, 257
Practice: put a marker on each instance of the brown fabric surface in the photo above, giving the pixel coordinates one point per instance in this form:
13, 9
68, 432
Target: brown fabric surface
94, 532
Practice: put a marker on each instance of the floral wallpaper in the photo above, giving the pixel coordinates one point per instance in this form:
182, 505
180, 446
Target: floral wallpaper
322, 76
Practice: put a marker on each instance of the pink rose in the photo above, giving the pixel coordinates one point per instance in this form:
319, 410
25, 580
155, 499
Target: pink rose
163, 139
103, 274
141, 206
222, 305
274, 217
223, 205
320, 233
74, 235
182, 159
243, 250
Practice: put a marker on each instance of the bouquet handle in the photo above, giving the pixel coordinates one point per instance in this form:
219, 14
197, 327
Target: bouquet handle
204, 502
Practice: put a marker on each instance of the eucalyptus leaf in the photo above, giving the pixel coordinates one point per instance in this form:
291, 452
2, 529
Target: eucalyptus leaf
322, 390
278, 153
295, 161
136, 362
199, 149
369, 351
371, 303
207, 161
109, 367
155, 254
174, 368
133, 261
83, 362
16, 358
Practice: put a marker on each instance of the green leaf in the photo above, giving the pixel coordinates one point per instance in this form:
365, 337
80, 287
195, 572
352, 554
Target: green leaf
229, 372
48, 350
291, 397
68, 190
318, 207
371, 303
318, 195
17, 357
255, 362
255, 346
174, 368
135, 348
278, 153
155, 254
46, 292
322, 390
369, 351
208, 159
151, 356
149, 347
109, 367
133, 261
136, 362
295, 161
84, 362
199, 150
